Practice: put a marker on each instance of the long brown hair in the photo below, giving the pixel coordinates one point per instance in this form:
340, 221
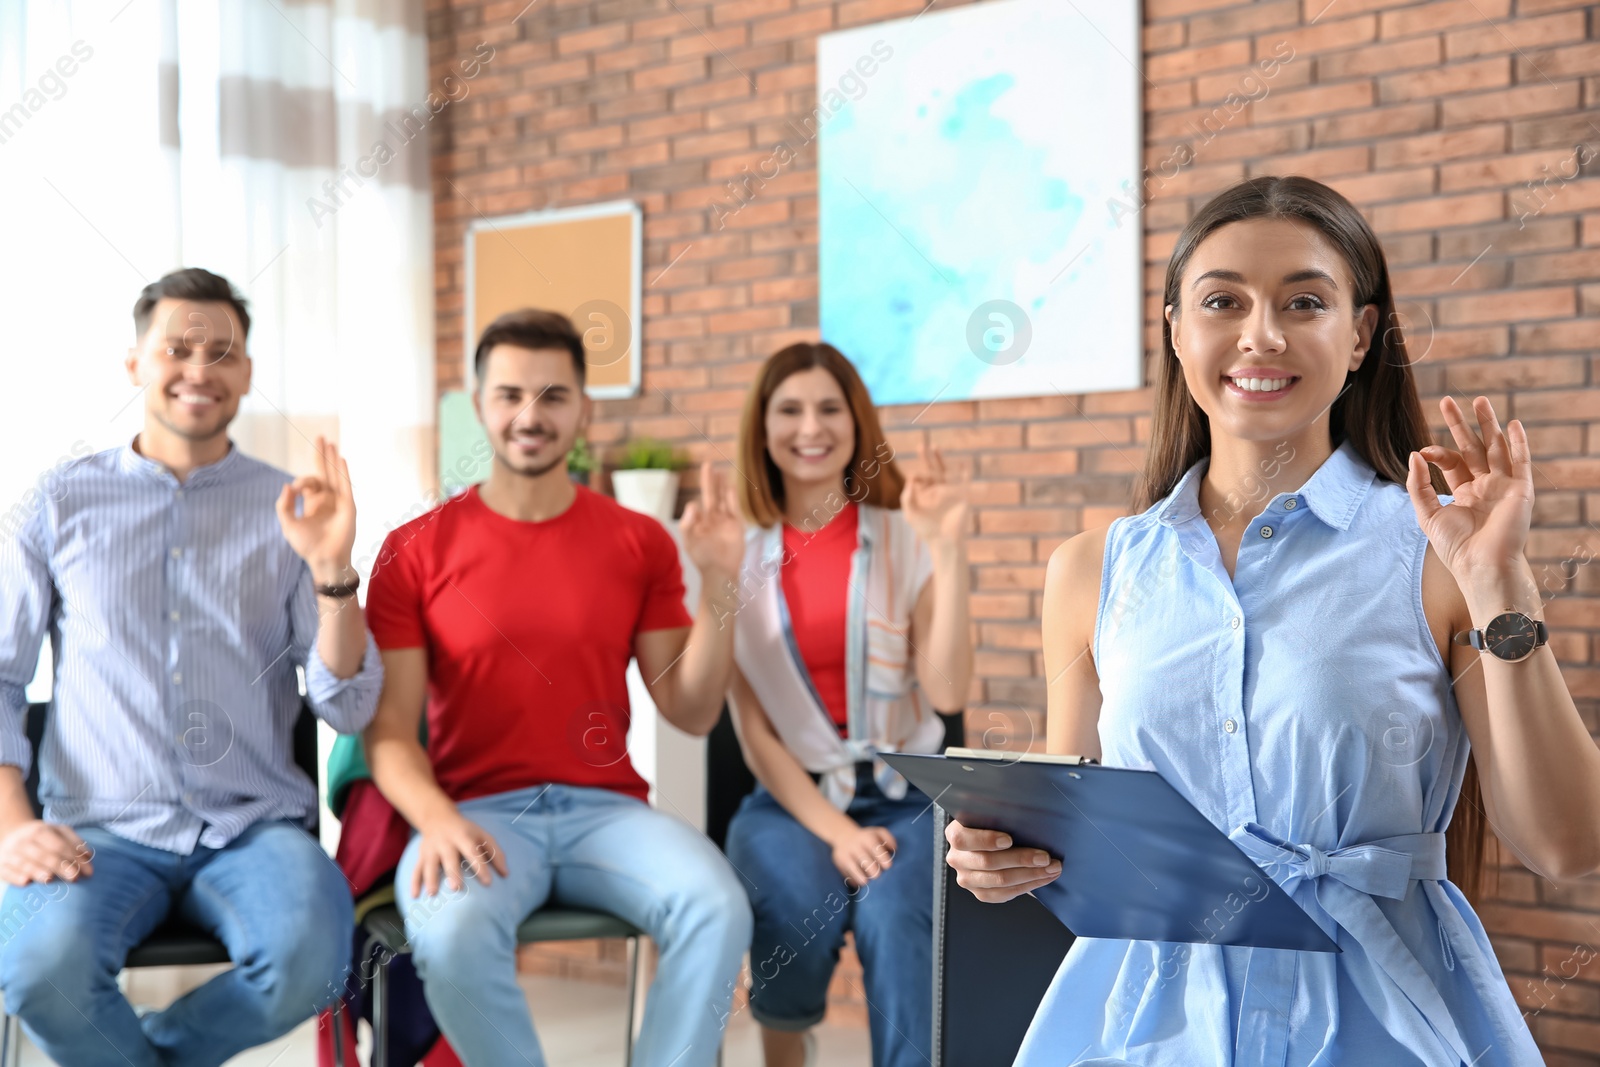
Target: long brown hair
1378, 411
872, 476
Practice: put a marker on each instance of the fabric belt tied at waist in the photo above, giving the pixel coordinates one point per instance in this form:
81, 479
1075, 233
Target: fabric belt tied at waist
1344, 881
1382, 868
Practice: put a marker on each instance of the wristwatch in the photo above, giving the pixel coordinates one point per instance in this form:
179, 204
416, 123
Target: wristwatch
1510, 636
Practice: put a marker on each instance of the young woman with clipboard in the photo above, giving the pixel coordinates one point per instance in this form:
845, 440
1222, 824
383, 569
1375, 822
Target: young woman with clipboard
1289, 630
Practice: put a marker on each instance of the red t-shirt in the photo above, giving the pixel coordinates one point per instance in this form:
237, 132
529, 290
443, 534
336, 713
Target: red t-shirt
528, 628
816, 585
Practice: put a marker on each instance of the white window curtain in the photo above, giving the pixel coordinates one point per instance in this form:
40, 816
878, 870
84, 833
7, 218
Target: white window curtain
281, 143
142, 137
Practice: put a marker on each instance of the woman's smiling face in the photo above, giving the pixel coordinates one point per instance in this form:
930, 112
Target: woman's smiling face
1267, 328
811, 431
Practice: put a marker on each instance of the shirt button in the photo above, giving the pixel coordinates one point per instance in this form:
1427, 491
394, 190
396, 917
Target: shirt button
1266, 531
173, 615
1229, 725
177, 552
1290, 504
177, 677
178, 493
1235, 622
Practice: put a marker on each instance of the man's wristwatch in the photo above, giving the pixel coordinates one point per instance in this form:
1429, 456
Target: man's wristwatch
1510, 636
341, 591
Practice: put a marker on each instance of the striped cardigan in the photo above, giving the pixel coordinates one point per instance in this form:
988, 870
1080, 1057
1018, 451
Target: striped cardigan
887, 710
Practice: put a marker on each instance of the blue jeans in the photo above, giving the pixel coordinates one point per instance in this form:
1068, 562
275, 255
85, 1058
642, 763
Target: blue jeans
584, 848
803, 907
272, 896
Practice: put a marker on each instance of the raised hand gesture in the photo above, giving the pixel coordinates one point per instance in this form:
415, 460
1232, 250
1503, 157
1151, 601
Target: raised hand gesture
933, 503
713, 531
1482, 536
323, 529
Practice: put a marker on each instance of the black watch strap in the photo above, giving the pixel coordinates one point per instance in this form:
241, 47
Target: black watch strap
1475, 636
342, 591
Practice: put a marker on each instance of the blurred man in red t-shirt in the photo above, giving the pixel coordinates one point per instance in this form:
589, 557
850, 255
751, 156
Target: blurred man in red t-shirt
513, 611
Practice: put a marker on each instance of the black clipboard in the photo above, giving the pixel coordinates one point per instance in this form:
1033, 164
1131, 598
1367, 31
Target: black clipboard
1139, 862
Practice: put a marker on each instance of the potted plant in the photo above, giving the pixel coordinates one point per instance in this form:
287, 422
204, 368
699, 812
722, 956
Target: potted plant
580, 461
647, 478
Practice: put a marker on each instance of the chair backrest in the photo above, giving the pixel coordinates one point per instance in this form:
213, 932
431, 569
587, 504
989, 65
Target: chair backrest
305, 752
991, 966
305, 757
728, 778
34, 726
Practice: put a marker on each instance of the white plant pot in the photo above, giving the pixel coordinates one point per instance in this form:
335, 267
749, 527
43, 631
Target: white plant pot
654, 492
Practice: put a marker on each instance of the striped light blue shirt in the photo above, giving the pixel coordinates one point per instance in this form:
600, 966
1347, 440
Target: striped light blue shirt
178, 615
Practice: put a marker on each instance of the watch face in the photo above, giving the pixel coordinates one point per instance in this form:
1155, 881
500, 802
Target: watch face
1510, 636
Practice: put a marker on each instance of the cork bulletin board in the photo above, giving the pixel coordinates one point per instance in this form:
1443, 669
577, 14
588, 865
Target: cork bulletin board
585, 262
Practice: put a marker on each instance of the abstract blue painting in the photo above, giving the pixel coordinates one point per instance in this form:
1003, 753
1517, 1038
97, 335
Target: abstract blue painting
978, 195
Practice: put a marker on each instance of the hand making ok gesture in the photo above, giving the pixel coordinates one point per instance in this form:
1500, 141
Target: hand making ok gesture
712, 527
1482, 535
934, 503
323, 529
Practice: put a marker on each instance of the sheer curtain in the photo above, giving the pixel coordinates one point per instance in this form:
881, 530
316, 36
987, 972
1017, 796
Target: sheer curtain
282, 143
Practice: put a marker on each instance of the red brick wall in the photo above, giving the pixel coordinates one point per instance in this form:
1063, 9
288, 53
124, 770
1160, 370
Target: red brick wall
1455, 125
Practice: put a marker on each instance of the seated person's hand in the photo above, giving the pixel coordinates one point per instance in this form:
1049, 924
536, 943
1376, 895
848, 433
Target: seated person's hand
39, 851
994, 872
450, 846
864, 854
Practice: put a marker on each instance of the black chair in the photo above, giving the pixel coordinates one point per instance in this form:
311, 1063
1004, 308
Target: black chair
175, 944
991, 966
728, 778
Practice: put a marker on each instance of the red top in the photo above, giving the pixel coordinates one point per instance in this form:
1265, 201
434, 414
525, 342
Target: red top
528, 629
816, 587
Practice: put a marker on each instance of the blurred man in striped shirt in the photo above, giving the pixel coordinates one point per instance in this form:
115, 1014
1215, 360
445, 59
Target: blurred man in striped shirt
182, 585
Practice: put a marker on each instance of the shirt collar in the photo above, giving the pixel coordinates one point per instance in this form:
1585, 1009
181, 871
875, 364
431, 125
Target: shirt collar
131, 462
1183, 503
1332, 493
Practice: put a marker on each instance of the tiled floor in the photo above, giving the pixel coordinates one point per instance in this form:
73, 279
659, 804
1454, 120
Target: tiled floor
580, 1025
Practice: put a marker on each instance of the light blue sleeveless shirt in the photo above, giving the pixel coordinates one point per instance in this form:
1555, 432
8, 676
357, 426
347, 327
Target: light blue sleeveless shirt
1303, 707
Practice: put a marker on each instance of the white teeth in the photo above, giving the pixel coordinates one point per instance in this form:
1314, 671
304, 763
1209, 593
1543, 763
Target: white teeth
809, 452
1261, 385
191, 398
